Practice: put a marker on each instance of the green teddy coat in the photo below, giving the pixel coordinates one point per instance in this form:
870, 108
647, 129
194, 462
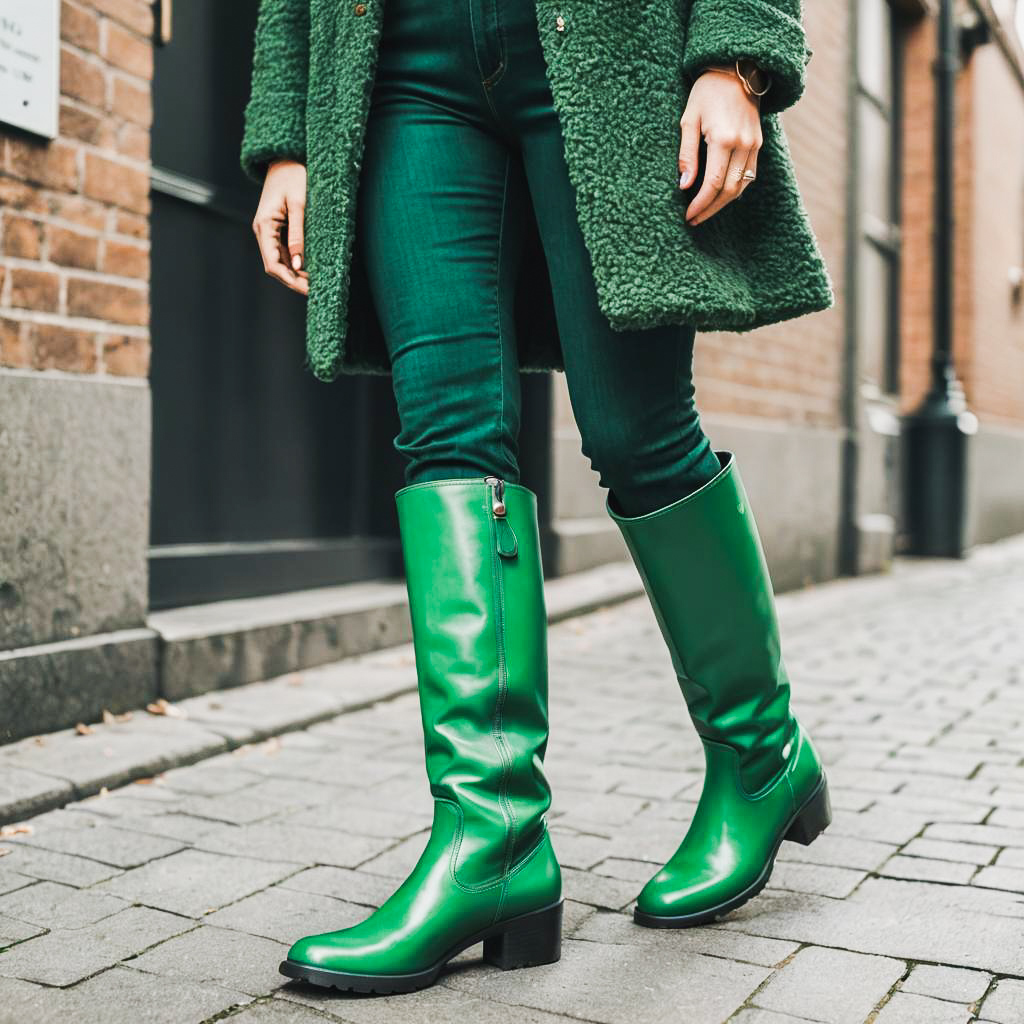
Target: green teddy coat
620, 73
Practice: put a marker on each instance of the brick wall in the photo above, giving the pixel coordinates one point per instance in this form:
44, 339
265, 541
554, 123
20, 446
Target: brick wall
792, 371
74, 211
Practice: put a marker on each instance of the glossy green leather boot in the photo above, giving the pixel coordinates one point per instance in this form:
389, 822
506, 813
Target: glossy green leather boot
488, 873
704, 571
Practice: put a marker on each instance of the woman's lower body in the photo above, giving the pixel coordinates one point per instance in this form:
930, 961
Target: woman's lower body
462, 138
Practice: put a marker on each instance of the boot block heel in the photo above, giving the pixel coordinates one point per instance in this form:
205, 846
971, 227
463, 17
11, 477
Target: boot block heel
814, 817
527, 941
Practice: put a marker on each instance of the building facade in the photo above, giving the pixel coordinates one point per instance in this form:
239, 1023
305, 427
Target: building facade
162, 451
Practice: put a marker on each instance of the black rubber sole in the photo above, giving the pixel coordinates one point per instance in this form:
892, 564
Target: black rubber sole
529, 940
804, 827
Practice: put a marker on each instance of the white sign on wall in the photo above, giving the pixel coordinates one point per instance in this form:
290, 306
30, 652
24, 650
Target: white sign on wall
29, 64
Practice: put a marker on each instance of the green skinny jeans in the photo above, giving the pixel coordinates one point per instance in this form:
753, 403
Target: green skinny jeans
461, 138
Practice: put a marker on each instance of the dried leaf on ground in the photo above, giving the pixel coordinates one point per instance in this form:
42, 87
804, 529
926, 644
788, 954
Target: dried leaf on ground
161, 706
23, 829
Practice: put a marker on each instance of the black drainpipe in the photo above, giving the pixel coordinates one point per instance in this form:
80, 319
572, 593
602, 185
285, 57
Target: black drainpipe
937, 432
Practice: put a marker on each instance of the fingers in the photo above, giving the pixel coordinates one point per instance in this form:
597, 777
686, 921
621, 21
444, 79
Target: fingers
271, 225
296, 230
718, 158
738, 156
689, 150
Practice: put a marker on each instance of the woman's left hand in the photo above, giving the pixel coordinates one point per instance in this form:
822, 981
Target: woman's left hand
720, 109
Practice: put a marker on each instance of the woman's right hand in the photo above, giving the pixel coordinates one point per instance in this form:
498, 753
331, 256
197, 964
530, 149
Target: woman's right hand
279, 223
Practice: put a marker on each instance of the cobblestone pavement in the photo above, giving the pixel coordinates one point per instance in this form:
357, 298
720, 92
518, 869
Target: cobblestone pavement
173, 900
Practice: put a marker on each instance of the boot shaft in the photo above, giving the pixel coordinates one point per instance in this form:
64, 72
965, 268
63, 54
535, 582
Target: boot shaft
704, 569
476, 600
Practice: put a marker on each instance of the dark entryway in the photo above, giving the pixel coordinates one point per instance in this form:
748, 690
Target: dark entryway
264, 479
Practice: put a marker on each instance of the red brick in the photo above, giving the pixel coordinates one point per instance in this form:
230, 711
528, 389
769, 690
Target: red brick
79, 26
131, 224
15, 349
34, 289
126, 259
128, 50
22, 237
126, 356
82, 78
118, 183
73, 248
103, 300
84, 125
135, 14
131, 101
51, 164
63, 348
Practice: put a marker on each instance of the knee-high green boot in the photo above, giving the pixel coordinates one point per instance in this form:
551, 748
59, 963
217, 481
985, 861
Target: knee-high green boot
704, 571
488, 872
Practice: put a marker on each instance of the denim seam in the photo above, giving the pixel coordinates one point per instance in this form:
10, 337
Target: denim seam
497, 306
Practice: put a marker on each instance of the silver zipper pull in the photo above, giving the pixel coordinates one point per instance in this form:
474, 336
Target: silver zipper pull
505, 537
497, 494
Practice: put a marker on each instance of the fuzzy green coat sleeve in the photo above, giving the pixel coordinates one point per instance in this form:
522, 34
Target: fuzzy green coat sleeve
275, 116
769, 31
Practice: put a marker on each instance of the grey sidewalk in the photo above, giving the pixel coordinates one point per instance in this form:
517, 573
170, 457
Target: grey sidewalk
173, 899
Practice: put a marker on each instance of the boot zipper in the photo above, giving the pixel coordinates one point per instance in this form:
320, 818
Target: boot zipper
507, 544
499, 520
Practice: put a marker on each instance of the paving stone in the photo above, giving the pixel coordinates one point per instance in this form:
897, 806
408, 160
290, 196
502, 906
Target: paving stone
245, 963
23, 791
961, 926
597, 890
577, 850
924, 870
840, 852
363, 820
1011, 879
279, 1011
64, 956
300, 844
985, 835
939, 849
637, 871
12, 930
439, 1003
1005, 1003
192, 882
831, 985
117, 996
183, 827
51, 905
816, 878
576, 808
399, 860
11, 881
950, 983
57, 867
341, 883
215, 776
905, 1008
106, 844
756, 1016
287, 915
610, 928
588, 983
